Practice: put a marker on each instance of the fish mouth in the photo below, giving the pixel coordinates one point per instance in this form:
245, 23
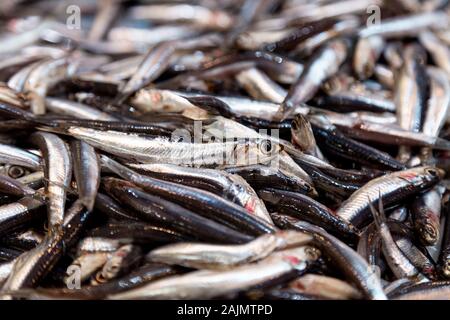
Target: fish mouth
445, 270
429, 234
436, 172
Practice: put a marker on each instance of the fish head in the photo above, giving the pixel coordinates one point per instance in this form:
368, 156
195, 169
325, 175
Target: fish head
256, 151
423, 176
299, 258
302, 133
429, 231
445, 269
435, 172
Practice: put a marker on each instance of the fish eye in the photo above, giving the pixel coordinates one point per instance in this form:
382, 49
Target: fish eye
265, 146
16, 172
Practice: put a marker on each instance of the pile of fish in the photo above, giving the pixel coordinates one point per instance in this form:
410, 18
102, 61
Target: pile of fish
272, 149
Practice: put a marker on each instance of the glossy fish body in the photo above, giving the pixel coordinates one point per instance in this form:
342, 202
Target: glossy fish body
196, 199
13, 187
406, 25
33, 265
348, 261
438, 290
259, 176
140, 233
87, 171
159, 210
15, 156
444, 257
338, 144
367, 52
307, 209
13, 215
321, 67
204, 256
426, 211
392, 188
221, 183
208, 284
134, 147
75, 109
58, 173
398, 262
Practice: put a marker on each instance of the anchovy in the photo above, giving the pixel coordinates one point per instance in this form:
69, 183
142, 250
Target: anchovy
13, 187
439, 51
208, 283
204, 256
303, 136
41, 77
259, 176
437, 108
24, 240
151, 67
438, 290
384, 75
325, 287
134, 147
140, 233
390, 134
336, 143
347, 260
135, 127
219, 182
348, 101
111, 209
119, 263
344, 27
391, 188
320, 67
407, 25
367, 52
260, 86
444, 256
300, 34
307, 209
87, 171
33, 265
97, 244
14, 215
198, 15
105, 16
77, 110
58, 173
418, 256
233, 213
426, 212
15, 156
411, 107
153, 207
88, 264
398, 262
